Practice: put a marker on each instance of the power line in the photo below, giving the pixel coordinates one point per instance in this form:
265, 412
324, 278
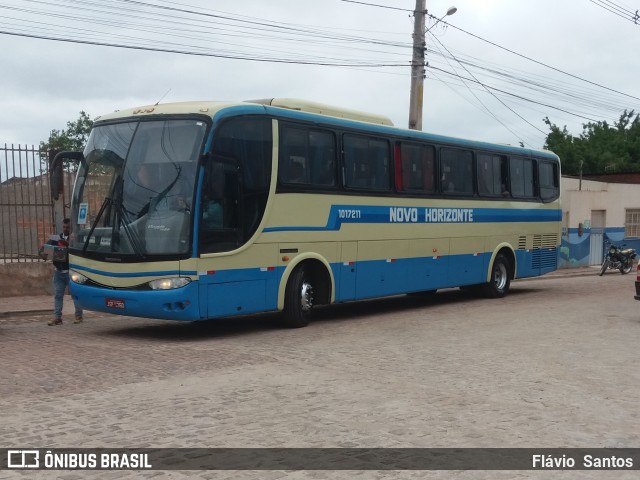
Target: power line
618, 10
543, 85
486, 109
489, 91
512, 94
541, 63
272, 31
170, 26
379, 6
201, 54
483, 110
175, 49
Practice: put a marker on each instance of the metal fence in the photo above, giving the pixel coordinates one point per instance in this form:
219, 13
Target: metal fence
26, 207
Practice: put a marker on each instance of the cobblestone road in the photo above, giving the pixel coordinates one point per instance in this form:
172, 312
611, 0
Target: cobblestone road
554, 364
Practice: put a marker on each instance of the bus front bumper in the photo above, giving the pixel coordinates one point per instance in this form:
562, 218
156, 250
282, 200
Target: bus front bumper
175, 304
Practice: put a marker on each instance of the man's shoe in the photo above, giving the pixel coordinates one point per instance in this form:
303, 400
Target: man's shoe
78, 320
57, 321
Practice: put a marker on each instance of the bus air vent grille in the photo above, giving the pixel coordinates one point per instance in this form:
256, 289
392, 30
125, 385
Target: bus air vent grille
544, 258
547, 240
522, 242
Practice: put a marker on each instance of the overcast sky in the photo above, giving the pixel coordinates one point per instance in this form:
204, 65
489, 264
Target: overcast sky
45, 83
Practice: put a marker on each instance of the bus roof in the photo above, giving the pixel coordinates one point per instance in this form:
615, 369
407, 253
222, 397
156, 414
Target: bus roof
211, 107
205, 108
322, 109
302, 108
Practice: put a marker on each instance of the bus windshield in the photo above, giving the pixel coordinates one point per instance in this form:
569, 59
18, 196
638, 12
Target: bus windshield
135, 188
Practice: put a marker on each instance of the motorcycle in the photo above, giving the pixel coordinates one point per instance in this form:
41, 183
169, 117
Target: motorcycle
618, 259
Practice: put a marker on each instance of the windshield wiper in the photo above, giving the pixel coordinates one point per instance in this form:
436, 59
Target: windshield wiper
107, 201
122, 220
154, 202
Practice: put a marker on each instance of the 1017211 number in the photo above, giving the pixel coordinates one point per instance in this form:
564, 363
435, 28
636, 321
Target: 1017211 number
349, 213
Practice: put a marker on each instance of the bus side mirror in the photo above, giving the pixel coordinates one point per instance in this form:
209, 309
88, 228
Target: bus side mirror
56, 169
580, 229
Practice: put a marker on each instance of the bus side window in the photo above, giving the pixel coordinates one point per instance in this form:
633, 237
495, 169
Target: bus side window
366, 162
322, 154
297, 172
486, 176
456, 168
363, 178
418, 167
548, 179
429, 169
307, 157
492, 176
505, 191
521, 173
324, 174
293, 157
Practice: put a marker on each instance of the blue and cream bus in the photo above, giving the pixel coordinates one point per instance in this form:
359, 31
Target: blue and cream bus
202, 210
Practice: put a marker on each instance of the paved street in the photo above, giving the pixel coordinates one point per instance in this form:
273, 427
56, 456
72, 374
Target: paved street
554, 364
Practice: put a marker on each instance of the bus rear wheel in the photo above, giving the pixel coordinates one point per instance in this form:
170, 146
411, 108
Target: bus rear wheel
498, 285
298, 299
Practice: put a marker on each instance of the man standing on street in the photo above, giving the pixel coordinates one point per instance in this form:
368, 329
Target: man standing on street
59, 244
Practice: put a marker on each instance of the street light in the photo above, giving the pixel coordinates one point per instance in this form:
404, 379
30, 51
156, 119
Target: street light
417, 64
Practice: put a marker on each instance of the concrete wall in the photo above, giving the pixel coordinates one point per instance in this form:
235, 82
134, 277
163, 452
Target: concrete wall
32, 278
579, 199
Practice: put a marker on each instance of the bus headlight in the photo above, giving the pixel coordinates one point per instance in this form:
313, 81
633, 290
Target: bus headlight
169, 283
77, 277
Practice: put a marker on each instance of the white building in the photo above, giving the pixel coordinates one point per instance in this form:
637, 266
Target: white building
603, 208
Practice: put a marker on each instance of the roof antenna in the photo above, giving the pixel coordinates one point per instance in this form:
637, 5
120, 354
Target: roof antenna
162, 97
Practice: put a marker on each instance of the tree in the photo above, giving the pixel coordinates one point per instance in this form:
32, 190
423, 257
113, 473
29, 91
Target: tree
600, 148
74, 138
563, 144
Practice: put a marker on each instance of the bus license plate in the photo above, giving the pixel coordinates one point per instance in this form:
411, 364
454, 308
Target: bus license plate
114, 303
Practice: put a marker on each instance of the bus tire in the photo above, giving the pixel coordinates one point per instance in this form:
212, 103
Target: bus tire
498, 285
298, 299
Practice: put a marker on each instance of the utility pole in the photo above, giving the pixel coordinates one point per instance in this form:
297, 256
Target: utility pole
417, 67
418, 63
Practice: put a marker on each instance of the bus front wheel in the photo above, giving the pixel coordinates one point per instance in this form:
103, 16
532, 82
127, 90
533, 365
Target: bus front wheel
298, 299
498, 285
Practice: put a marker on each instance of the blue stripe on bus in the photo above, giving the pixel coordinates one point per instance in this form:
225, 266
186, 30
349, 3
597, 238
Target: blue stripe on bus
341, 214
158, 273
